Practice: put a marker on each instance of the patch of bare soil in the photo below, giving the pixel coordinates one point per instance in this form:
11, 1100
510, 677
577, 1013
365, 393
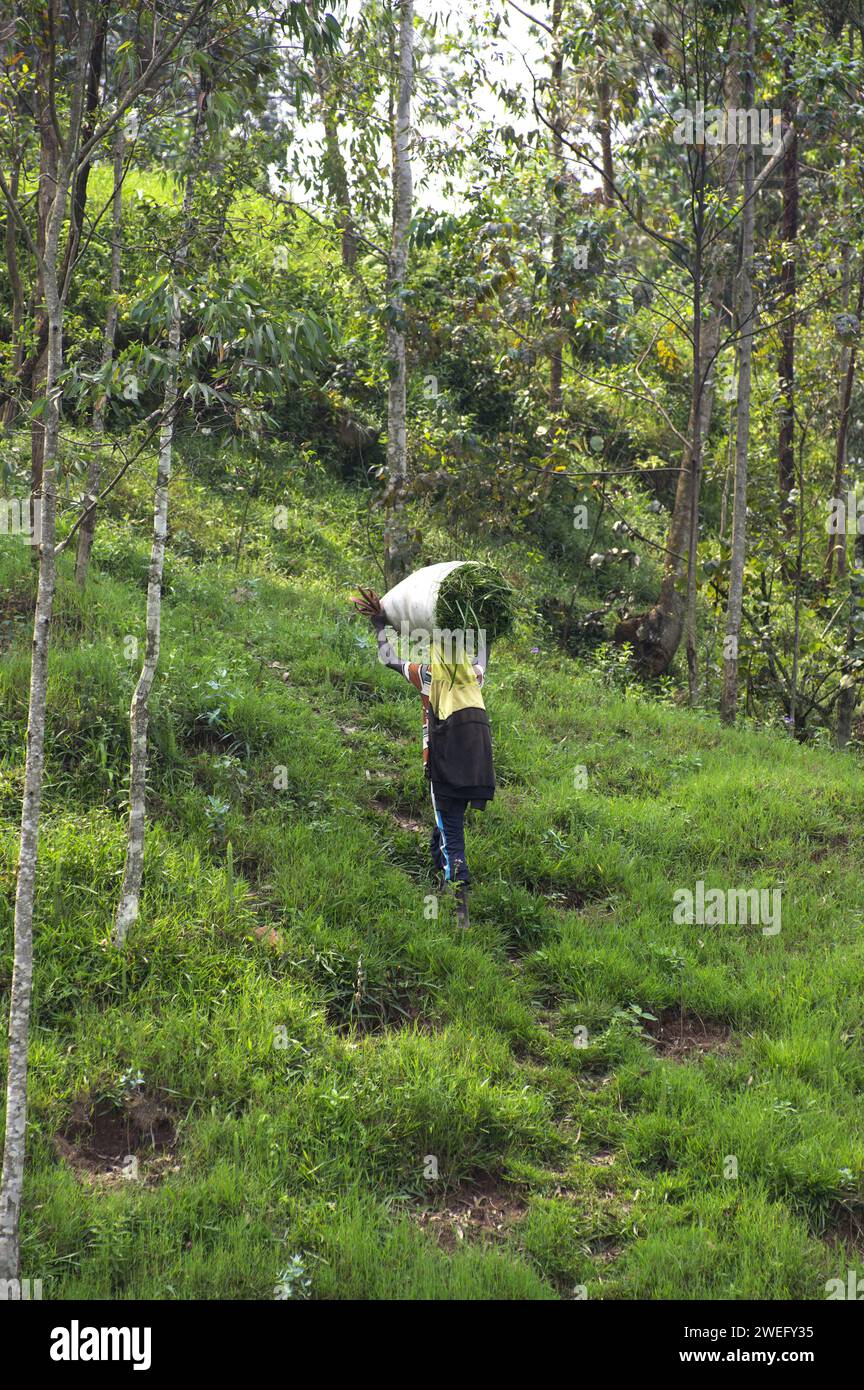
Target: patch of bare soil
606, 1250
833, 847
679, 1036
105, 1143
401, 813
379, 1013
567, 897
477, 1211
201, 736
844, 1227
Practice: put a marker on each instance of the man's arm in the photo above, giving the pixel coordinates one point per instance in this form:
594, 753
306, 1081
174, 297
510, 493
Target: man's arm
386, 653
369, 604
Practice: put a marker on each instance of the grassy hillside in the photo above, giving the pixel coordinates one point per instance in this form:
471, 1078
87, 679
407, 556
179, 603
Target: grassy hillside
293, 1043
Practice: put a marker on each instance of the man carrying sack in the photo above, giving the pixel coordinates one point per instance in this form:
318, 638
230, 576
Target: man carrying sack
457, 744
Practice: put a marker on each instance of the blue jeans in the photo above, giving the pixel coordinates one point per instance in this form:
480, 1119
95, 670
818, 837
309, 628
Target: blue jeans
448, 838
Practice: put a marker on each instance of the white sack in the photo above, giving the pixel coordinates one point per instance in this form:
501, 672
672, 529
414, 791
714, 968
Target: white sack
414, 600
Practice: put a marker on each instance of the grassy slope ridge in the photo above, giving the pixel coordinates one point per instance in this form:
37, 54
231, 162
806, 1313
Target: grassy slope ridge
306, 1107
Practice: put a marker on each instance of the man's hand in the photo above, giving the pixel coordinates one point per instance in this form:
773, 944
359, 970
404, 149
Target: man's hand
369, 604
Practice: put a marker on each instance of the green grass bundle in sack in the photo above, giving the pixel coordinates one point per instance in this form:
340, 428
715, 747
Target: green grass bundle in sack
456, 597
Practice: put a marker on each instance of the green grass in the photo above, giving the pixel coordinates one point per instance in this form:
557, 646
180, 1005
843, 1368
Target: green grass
475, 597
279, 873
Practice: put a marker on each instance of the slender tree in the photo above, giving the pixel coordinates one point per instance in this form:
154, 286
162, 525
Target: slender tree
697, 435
849, 360
14, 126
604, 114
56, 176
87, 528
559, 172
333, 167
139, 714
744, 326
395, 539
66, 147
788, 287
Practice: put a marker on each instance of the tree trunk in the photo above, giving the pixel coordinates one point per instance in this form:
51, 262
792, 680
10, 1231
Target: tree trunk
11, 230
744, 325
48, 175
697, 436
10, 405
850, 683
837, 543
22, 967
788, 288
334, 169
139, 714
48, 166
556, 363
396, 557
335, 172
78, 201
847, 700
88, 524
799, 577
839, 488
656, 634
604, 110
